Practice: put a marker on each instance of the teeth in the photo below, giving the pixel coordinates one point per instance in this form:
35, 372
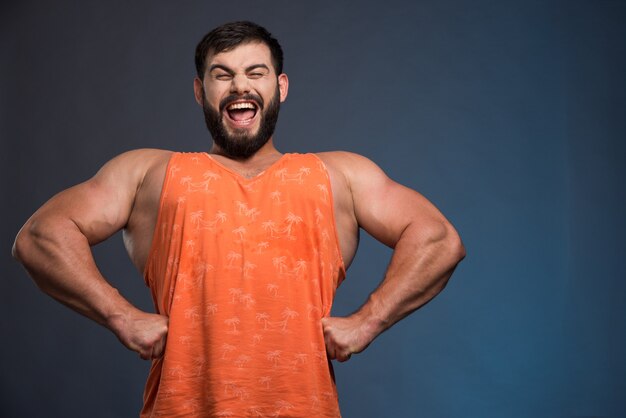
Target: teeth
236, 106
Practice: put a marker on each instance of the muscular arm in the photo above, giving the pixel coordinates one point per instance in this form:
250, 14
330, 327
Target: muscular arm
54, 247
426, 251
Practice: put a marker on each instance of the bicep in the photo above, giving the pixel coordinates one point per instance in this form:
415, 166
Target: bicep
98, 207
385, 208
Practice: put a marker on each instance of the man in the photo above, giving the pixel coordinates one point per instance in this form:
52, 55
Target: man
242, 248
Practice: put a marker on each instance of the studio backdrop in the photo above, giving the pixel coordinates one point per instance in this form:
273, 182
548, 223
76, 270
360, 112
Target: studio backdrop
508, 115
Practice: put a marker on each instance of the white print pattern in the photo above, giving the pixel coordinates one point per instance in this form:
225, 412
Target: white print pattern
242, 360
276, 197
324, 192
244, 210
295, 270
285, 176
272, 289
196, 219
232, 260
240, 233
233, 322
226, 349
265, 381
200, 186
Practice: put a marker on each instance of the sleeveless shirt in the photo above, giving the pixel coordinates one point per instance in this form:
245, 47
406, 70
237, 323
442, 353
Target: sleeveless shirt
244, 269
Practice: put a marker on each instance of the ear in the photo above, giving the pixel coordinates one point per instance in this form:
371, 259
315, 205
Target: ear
283, 86
198, 90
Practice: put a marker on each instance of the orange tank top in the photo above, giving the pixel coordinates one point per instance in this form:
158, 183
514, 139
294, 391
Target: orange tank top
244, 269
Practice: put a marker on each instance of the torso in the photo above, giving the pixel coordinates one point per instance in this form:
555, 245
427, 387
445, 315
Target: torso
140, 227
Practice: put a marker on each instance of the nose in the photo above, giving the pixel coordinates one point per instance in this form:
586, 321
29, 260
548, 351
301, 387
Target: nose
239, 84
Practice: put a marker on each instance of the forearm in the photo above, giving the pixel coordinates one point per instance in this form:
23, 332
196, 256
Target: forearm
421, 265
58, 257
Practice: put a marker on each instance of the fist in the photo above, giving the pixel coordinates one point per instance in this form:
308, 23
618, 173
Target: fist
343, 337
145, 333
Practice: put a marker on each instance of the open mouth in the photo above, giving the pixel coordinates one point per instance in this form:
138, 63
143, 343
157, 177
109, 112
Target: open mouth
241, 112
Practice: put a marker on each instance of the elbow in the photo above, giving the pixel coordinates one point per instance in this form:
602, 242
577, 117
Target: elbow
28, 241
447, 242
23, 241
454, 245
19, 245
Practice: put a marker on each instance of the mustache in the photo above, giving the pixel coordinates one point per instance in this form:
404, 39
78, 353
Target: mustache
234, 97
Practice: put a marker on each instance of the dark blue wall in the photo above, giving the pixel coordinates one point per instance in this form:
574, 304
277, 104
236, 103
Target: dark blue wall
509, 116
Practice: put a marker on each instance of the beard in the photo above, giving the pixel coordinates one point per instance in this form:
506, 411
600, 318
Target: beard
240, 144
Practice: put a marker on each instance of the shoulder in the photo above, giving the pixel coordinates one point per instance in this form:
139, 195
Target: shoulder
140, 158
354, 168
134, 165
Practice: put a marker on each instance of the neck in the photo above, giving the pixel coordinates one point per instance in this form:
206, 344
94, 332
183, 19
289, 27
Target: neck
267, 151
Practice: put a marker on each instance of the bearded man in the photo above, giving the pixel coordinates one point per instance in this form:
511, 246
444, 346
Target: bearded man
242, 248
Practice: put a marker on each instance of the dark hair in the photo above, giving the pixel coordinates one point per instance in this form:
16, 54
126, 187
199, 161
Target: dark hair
230, 35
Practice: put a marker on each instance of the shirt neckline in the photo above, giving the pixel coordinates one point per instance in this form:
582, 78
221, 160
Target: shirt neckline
241, 176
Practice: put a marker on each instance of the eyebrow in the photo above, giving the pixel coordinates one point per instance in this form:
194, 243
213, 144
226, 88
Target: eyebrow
231, 72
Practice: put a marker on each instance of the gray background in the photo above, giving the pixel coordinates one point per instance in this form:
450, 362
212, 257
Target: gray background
508, 115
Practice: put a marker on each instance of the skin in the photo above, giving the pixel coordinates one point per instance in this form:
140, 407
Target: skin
54, 244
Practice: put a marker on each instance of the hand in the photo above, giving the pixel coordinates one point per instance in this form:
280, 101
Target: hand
143, 332
344, 337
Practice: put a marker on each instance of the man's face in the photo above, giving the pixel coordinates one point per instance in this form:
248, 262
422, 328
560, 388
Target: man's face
240, 96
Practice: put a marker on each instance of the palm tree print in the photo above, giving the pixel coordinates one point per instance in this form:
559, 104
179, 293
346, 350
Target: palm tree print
261, 246
196, 218
201, 268
270, 226
247, 268
291, 220
232, 257
319, 216
203, 186
280, 264
274, 357
242, 360
276, 197
288, 314
324, 192
235, 294
184, 339
199, 362
281, 405
298, 177
191, 245
272, 288
173, 170
241, 393
265, 381
241, 231
192, 313
244, 210
227, 348
263, 317
233, 322
176, 371
301, 358
299, 268
211, 309
255, 411
247, 300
